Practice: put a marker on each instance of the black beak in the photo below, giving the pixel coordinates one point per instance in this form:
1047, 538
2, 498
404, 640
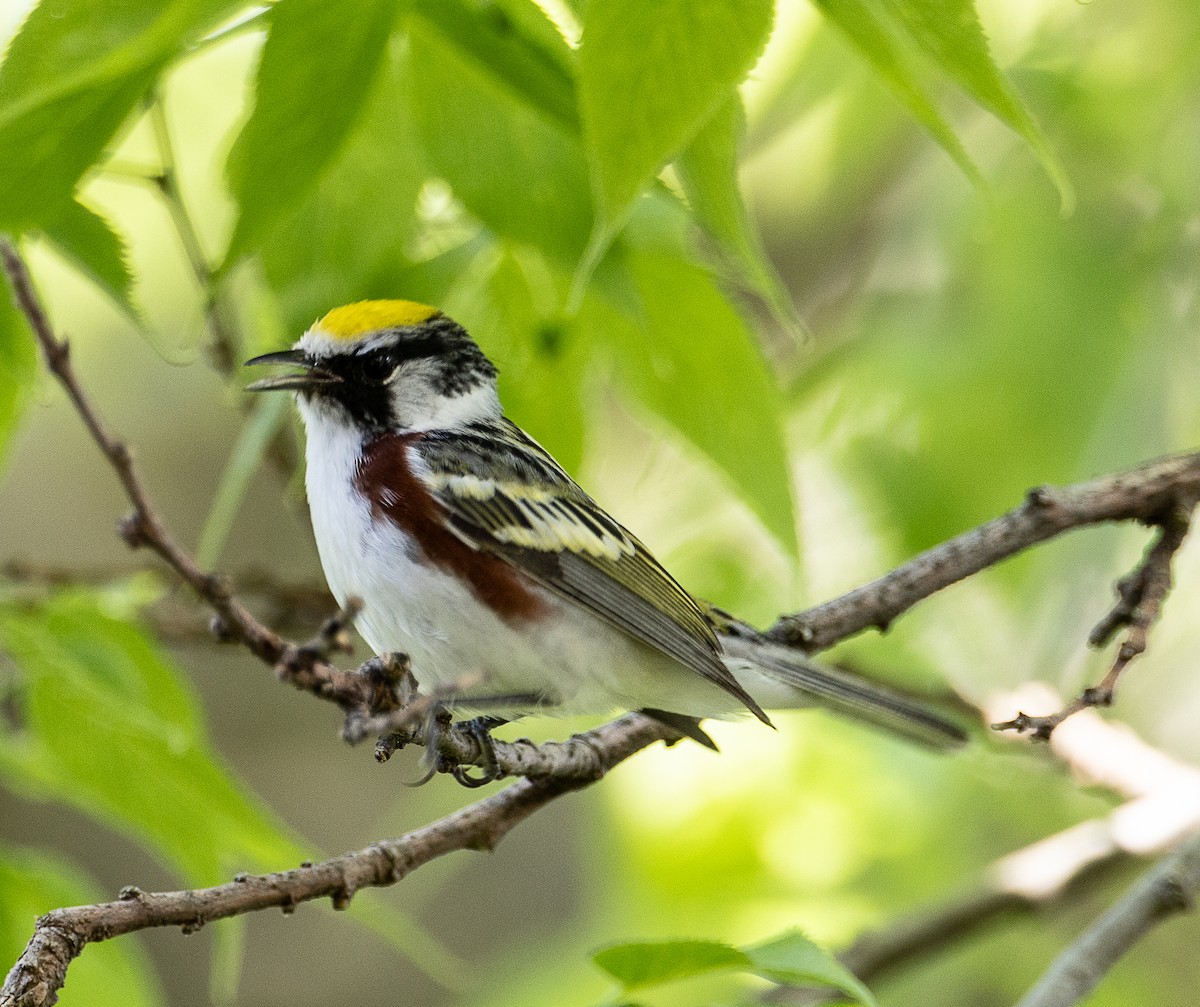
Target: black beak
310, 377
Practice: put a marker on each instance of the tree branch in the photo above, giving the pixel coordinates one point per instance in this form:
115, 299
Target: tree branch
144, 527
1168, 888
1151, 493
62, 934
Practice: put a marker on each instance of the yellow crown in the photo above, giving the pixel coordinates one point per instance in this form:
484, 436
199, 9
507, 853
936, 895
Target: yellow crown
358, 319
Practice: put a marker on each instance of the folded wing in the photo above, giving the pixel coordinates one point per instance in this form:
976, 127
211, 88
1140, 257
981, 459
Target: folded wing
503, 494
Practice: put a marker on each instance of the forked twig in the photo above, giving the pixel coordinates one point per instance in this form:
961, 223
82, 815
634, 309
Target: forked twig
1140, 597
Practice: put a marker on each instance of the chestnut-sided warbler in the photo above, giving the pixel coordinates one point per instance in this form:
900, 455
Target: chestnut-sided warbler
474, 553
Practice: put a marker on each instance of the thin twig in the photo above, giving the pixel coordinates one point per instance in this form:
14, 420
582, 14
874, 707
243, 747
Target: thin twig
1168, 888
223, 348
223, 345
61, 935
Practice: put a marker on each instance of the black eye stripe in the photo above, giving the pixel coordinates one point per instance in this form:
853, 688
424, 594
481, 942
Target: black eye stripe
380, 363
453, 366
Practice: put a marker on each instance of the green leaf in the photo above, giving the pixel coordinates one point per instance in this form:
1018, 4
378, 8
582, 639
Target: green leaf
950, 32
793, 960
91, 244
693, 362
109, 727
513, 164
352, 226
790, 959
317, 70
890, 53
519, 47
33, 883
708, 172
650, 76
71, 77
18, 366
636, 966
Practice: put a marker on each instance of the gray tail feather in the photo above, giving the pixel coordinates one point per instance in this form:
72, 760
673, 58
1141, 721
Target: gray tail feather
839, 692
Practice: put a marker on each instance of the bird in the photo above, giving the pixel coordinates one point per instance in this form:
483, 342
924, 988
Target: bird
469, 549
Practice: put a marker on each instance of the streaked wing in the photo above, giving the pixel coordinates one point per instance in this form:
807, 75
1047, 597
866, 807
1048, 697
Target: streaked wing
504, 494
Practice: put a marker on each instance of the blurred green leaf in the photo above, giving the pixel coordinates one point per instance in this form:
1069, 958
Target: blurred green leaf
33, 883
317, 70
433, 280
693, 362
542, 358
355, 222
652, 963
1008, 362
514, 165
18, 366
109, 727
790, 959
650, 76
793, 960
228, 957
89, 241
950, 32
71, 77
868, 28
708, 171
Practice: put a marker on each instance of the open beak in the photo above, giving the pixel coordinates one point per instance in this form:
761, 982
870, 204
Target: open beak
310, 377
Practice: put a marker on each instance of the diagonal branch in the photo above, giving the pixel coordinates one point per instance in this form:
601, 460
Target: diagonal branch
1149, 493
61, 935
144, 528
1165, 890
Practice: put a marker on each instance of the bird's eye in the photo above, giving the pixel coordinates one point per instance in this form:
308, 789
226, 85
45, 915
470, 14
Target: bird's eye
378, 367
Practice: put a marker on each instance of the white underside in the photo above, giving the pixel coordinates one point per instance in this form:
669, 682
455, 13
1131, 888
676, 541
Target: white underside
578, 662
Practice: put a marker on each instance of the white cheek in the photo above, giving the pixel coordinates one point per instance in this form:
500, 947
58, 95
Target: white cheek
416, 406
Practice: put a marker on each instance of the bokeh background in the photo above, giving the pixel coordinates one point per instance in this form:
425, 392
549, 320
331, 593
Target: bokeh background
963, 342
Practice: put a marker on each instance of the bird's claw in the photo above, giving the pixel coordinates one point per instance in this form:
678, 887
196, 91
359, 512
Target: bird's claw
480, 729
